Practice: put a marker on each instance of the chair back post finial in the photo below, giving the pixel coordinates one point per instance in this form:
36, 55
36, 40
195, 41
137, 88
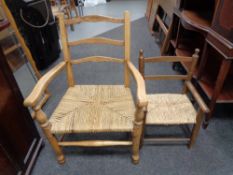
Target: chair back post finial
195, 57
141, 62
127, 48
66, 51
196, 53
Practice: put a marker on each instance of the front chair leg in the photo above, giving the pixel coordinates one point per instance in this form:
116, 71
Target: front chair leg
45, 125
143, 129
196, 128
137, 133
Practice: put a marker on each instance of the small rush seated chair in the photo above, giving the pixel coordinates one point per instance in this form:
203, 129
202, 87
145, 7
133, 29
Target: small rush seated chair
166, 109
93, 108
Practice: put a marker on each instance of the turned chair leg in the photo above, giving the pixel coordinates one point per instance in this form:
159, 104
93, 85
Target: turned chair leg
196, 129
45, 125
143, 130
137, 133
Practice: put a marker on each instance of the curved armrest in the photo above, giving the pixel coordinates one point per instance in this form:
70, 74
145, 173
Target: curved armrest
42, 84
197, 97
141, 89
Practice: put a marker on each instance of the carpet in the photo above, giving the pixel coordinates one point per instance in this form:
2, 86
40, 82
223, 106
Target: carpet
212, 153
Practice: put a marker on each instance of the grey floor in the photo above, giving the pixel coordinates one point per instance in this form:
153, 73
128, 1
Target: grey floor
212, 153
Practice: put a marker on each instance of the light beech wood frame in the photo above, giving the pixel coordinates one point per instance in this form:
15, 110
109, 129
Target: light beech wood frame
187, 87
130, 70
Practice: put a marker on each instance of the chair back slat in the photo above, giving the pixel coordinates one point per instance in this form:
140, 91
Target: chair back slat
97, 40
168, 59
93, 18
97, 59
187, 77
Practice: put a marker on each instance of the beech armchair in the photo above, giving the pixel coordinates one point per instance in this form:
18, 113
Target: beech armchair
93, 108
169, 109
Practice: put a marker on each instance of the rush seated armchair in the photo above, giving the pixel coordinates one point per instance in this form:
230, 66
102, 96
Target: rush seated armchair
92, 108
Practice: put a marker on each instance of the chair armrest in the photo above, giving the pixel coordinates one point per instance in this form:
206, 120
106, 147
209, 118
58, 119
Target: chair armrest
42, 84
141, 89
197, 97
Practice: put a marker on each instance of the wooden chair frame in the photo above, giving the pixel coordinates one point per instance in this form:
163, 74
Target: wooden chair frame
129, 70
188, 87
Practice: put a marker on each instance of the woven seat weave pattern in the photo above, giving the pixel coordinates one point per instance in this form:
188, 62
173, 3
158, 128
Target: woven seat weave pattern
92, 108
169, 109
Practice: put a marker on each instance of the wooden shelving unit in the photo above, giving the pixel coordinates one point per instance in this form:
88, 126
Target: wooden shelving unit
200, 20
205, 25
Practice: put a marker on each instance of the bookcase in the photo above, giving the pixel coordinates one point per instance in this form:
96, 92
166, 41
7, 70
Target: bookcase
207, 25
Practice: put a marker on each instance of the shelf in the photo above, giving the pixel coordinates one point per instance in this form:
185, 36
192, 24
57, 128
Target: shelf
185, 50
207, 85
200, 20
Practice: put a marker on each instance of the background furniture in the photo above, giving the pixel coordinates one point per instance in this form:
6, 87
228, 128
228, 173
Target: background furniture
35, 22
206, 25
66, 7
169, 109
25, 49
93, 108
19, 139
158, 12
10, 46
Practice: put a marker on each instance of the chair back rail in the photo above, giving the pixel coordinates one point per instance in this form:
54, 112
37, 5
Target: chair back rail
193, 60
97, 59
167, 59
97, 40
93, 18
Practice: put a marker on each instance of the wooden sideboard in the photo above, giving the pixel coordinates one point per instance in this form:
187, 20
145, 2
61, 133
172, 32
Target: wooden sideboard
20, 142
207, 25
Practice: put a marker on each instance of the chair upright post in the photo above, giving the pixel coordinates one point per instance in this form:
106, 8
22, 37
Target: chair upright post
195, 57
66, 51
127, 48
141, 63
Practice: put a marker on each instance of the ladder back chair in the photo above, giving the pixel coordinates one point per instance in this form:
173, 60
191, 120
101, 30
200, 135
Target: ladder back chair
173, 108
93, 108
66, 7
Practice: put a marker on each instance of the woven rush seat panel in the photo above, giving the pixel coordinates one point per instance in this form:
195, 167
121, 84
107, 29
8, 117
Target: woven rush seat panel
168, 109
90, 108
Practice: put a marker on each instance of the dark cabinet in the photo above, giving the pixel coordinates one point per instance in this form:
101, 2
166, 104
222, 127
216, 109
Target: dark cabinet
19, 139
207, 25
